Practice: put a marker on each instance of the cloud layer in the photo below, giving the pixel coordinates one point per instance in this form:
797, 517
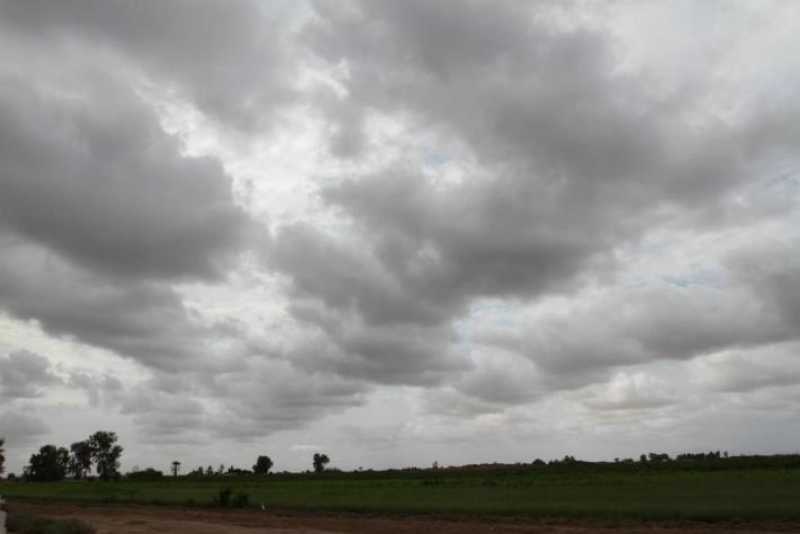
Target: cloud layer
495, 219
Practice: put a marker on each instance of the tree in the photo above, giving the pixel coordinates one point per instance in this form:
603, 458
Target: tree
209, 471
176, 467
49, 465
263, 465
320, 461
106, 454
80, 463
2, 456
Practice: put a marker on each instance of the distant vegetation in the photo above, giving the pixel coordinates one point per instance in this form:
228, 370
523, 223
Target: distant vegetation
697, 485
607, 491
101, 452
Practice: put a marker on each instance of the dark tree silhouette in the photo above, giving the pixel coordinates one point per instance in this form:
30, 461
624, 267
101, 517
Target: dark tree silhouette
49, 464
320, 461
176, 468
263, 465
2, 456
106, 454
80, 462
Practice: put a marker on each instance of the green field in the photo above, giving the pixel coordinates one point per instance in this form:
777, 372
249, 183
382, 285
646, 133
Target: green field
700, 495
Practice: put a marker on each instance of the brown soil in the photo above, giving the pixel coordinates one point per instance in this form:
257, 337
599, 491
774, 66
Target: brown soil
146, 519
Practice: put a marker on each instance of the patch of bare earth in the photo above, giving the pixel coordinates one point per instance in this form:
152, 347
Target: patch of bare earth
148, 519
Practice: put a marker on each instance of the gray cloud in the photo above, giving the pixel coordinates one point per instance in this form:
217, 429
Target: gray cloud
632, 391
105, 186
143, 320
389, 354
230, 60
100, 389
445, 246
501, 181
25, 375
582, 343
271, 396
526, 92
101, 212
20, 428
344, 276
576, 157
165, 417
747, 371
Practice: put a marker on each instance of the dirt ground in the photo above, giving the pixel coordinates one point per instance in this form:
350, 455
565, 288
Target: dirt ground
145, 519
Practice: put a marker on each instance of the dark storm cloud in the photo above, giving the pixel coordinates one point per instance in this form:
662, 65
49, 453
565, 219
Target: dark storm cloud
98, 180
227, 58
25, 375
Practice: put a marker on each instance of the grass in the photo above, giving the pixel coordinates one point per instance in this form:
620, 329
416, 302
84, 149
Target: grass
27, 524
750, 494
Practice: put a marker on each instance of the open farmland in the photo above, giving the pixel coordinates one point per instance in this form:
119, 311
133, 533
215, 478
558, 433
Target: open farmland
747, 494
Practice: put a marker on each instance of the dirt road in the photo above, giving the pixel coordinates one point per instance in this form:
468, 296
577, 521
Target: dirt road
149, 520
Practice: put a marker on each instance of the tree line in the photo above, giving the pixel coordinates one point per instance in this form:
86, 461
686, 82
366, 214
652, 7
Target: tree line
101, 452
263, 466
52, 463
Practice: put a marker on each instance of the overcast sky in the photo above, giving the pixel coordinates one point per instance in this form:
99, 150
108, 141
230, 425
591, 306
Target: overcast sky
399, 232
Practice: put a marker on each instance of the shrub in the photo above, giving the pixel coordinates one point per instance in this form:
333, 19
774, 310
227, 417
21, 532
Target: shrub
227, 499
241, 500
224, 497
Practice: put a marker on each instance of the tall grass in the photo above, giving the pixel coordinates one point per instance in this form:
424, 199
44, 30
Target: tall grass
645, 494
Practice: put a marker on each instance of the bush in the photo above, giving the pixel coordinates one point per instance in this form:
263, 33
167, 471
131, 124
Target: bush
224, 497
27, 524
241, 500
227, 499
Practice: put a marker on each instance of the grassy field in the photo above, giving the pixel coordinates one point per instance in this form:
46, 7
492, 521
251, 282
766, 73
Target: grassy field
701, 495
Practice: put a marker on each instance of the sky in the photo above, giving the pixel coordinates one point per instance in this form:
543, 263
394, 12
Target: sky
399, 233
